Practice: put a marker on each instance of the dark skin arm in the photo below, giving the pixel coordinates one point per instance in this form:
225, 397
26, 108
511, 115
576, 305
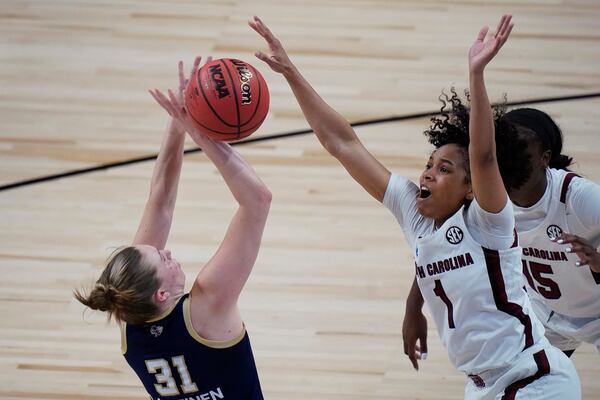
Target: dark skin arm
587, 253
414, 327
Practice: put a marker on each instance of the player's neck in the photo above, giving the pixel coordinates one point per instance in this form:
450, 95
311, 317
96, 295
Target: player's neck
530, 193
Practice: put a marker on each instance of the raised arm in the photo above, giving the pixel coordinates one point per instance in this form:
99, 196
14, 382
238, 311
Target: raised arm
485, 174
220, 282
332, 130
155, 224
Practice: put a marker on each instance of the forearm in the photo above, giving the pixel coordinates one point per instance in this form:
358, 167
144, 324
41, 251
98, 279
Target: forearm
243, 182
155, 223
332, 129
167, 169
414, 301
482, 147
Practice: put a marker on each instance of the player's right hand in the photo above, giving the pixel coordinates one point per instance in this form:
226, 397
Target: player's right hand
414, 328
278, 60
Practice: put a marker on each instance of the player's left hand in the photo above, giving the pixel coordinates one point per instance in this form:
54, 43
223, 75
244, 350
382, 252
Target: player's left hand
278, 60
174, 104
483, 50
587, 253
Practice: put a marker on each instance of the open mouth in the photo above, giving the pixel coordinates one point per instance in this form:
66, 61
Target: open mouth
424, 193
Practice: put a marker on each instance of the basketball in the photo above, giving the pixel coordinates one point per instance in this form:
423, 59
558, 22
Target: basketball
228, 98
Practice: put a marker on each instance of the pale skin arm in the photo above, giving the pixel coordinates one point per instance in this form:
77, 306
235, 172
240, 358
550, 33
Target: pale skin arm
333, 131
485, 174
155, 224
218, 285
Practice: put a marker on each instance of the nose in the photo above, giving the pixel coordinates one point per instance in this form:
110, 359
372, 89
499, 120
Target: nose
427, 175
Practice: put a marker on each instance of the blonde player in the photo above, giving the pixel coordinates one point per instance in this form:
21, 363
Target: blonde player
460, 224
187, 345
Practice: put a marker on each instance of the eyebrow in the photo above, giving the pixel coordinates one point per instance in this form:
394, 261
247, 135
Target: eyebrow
447, 161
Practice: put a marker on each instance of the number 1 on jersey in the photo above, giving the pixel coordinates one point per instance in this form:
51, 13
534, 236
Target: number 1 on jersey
441, 293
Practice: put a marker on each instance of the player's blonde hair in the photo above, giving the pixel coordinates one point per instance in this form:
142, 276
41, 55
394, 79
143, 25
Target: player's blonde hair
125, 288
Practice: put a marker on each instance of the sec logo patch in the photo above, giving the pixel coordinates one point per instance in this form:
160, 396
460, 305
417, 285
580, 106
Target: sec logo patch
454, 235
554, 231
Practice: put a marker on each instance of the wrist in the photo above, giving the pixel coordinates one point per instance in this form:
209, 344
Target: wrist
476, 73
414, 307
290, 72
175, 127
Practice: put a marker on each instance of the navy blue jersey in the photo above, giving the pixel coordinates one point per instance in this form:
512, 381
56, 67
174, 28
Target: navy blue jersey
175, 363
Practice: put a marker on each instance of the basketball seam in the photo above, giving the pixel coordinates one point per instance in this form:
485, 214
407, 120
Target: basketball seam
237, 106
208, 102
230, 133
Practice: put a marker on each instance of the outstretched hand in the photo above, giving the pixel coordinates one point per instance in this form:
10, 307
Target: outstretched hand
278, 60
174, 103
482, 51
586, 251
414, 328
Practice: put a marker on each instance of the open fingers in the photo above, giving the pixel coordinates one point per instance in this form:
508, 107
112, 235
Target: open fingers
259, 26
501, 26
568, 238
505, 28
163, 102
482, 33
410, 351
196, 65
175, 103
182, 82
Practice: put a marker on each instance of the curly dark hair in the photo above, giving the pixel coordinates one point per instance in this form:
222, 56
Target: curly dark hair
452, 127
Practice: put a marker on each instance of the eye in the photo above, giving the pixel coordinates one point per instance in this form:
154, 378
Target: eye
444, 169
427, 166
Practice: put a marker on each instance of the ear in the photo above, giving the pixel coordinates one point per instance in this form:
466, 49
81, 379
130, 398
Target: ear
161, 295
470, 195
546, 157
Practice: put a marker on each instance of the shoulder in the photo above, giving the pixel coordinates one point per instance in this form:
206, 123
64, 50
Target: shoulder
582, 198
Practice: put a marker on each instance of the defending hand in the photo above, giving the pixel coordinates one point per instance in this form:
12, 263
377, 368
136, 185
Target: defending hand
482, 51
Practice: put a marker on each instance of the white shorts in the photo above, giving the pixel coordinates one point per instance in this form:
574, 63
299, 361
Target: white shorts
538, 373
565, 332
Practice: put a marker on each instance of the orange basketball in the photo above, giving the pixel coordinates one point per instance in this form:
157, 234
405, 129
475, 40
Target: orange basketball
228, 98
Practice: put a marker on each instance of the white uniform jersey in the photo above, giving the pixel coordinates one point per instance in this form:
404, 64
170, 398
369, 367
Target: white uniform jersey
476, 297
550, 271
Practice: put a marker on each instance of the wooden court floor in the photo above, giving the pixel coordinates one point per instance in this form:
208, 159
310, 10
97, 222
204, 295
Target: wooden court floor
325, 302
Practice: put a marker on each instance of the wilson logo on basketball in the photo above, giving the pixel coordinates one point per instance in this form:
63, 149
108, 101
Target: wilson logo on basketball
554, 231
245, 76
219, 84
454, 235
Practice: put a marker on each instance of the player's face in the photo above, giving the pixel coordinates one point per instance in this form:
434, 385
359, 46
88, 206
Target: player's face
538, 161
168, 269
444, 184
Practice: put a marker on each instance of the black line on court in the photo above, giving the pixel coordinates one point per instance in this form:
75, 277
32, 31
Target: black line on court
275, 136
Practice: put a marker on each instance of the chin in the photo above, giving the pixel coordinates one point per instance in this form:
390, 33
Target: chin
424, 211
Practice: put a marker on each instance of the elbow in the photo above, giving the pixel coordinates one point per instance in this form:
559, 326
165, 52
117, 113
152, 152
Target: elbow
263, 198
337, 147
